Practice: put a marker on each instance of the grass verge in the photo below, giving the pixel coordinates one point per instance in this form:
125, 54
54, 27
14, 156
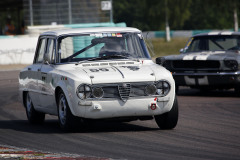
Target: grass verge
163, 48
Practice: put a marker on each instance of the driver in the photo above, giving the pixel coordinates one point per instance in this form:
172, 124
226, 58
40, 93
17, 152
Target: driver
111, 46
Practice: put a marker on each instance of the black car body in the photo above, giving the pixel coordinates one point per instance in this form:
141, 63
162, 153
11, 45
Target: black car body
209, 60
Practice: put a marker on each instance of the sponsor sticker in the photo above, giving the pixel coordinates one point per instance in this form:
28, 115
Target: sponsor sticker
106, 35
119, 35
98, 35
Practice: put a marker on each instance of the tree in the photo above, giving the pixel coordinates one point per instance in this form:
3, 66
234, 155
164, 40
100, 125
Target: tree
149, 15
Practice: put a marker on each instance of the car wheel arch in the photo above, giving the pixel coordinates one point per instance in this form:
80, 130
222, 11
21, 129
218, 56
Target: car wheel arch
59, 89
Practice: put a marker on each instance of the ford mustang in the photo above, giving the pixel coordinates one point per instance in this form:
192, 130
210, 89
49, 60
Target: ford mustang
208, 61
96, 74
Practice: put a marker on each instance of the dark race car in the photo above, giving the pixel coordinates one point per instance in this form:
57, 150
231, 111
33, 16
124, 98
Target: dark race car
208, 61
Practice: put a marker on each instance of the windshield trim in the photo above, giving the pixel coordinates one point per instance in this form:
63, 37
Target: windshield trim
142, 47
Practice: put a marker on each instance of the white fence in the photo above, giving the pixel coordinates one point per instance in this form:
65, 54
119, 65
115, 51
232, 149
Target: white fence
17, 50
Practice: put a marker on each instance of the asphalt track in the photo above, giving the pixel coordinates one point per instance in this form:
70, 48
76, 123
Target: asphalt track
208, 128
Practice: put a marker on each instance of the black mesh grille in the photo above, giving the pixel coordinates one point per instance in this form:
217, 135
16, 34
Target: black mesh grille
193, 65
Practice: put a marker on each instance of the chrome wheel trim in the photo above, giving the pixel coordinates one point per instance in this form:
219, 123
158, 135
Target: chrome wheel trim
62, 109
29, 105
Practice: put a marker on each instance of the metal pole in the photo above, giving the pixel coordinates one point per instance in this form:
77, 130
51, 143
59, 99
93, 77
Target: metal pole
168, 38
70, 11
235, 19
111, 12
31, 12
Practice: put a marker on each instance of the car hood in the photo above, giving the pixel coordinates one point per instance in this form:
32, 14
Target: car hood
217, 55
119, 74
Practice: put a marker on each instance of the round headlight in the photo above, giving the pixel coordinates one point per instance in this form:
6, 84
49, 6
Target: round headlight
150, 89
97, 92
232, 64
163, 88
84, 91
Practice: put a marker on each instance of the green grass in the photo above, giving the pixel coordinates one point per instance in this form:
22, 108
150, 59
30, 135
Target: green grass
163, 48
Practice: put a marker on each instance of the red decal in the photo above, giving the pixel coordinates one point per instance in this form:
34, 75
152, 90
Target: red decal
118, 35
153, 106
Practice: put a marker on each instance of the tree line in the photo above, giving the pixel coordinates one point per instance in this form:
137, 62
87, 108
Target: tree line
181, 14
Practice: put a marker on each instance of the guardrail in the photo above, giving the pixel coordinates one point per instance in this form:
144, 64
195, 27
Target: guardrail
176, 33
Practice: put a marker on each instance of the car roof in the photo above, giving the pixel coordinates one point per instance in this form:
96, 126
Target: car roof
89, 30
217, 33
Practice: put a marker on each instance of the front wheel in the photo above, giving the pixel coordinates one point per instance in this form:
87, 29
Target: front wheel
34, 117
67, 120
168, 120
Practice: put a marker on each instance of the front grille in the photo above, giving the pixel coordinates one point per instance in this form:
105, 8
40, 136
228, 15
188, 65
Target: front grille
193, 65
118, 91
124, 91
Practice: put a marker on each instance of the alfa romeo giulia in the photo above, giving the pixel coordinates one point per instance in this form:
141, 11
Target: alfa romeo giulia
94, 74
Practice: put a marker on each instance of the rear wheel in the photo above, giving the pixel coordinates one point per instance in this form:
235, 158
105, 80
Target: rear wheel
34, 117
237, 91
168, 120
67, 120
176, 89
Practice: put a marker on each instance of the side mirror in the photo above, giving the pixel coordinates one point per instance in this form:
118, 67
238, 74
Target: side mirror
181, 50
160, 60
46, 58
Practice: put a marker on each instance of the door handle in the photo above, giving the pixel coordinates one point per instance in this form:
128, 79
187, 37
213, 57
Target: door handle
29, 69
38, 69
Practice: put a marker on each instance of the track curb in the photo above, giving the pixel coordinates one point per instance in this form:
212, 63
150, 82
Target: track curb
10, 152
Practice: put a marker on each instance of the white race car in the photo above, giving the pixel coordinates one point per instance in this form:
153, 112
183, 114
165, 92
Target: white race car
97, 73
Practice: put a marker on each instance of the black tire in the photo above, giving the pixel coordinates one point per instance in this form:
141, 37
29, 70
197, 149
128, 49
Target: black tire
66, 119
34, 117
168, 120
176, 89
237, 91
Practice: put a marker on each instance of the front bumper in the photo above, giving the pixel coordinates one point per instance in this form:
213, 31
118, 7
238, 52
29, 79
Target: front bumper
223, 79
99, 109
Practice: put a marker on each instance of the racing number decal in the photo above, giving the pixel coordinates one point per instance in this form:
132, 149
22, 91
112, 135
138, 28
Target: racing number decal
101, 69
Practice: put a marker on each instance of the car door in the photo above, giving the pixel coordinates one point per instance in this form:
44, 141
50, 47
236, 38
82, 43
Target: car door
35, 74
46, 82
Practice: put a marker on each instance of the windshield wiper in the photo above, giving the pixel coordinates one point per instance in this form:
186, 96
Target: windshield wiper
114, 56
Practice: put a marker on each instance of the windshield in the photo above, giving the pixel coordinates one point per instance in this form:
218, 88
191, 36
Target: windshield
101, 46
213, 43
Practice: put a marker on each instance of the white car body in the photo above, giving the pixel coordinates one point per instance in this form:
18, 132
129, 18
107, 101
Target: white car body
43, 81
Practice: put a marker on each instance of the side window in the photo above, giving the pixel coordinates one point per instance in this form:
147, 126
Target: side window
40, 52
194, 46
51, 50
